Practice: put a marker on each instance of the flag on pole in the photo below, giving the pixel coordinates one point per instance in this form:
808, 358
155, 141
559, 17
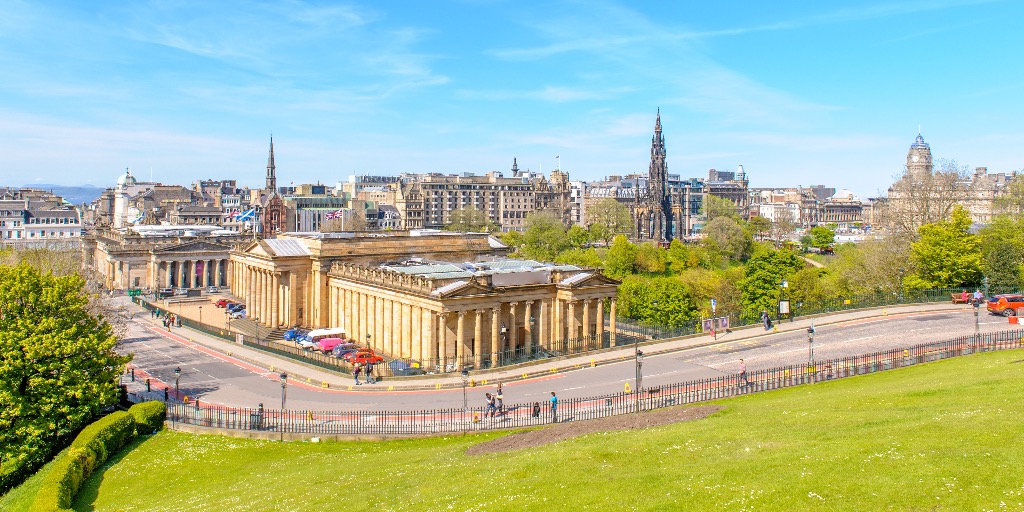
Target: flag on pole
249, 215
337, 214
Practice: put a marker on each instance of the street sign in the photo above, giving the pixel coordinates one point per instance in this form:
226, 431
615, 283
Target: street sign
714, 304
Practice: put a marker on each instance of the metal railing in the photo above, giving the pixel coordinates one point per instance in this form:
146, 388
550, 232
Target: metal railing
530, 414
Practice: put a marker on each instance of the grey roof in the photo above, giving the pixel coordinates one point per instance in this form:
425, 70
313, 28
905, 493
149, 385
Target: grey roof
287, 247
450, 287
576, 278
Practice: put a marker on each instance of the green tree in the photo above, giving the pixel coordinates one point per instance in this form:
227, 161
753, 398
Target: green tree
57, 363
946, 254
679, 257
544, 237
713, 207
1002, 248
580, 258
469, 220
763, 276
607, 219
577, 237
650, 258
822, 237
760, 227
726, 240
621, 260
659, 300
513, 239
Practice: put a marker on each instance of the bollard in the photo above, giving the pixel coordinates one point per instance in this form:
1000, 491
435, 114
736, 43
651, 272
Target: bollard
165, 393
133, 374
147, 386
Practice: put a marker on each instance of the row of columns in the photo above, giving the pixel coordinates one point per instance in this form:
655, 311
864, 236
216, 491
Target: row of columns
185, 274
268, 294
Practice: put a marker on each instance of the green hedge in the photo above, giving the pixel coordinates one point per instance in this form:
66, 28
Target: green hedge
92, 447
149, 416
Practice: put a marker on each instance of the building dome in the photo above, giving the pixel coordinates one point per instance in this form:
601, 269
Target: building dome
126, 179
919, 143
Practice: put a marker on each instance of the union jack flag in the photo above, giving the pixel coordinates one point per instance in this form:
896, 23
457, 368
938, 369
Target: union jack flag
337, 214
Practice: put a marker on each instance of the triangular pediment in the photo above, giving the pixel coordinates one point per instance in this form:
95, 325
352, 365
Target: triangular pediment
256, 248
587, 280
460, 289
196, 246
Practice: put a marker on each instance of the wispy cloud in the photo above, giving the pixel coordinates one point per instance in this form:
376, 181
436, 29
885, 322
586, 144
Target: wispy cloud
550, 93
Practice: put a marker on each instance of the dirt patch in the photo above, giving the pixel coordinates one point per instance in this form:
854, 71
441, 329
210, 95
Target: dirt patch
569, 430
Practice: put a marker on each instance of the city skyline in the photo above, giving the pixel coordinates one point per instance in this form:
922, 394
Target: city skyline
799, 96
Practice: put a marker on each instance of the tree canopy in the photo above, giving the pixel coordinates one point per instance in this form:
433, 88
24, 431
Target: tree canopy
946, 254
469, 220
713, 207
822, 237
607, 219
57, 362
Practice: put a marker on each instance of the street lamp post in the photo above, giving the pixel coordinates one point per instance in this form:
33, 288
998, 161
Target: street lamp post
985, 281
639, 356
810, 344
177, 377
200, 314
977, 319
465, 381
257, 319
284, 395
900, 286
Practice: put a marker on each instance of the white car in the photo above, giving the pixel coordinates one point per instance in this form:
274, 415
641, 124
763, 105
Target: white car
238, 314
213, 289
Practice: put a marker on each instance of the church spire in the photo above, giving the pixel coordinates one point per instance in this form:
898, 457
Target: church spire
271, 169
515, 168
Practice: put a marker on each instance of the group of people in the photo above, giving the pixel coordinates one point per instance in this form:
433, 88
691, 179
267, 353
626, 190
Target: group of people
495, 403
977, 299
366, 369
169, 319
766, 319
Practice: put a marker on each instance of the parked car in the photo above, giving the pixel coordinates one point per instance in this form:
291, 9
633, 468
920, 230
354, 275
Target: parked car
235, 307
344, 348
326, 345
294, 334
165, 292
305, 342
223, 303
181, 292
363, 356
404, 369
213, 289
239, 313
1005, 305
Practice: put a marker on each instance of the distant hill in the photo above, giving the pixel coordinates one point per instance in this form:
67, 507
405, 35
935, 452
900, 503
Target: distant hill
76, 195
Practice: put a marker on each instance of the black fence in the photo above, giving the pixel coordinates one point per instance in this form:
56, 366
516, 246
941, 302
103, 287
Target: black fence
538, 413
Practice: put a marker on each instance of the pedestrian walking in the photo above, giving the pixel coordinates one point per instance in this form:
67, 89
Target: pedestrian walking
500, 399
355, 372
743, 373
766, 320
369, 373
490, 405
828, 369
554, 408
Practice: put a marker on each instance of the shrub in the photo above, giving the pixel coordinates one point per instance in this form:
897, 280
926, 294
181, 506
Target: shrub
149, 416
93, 446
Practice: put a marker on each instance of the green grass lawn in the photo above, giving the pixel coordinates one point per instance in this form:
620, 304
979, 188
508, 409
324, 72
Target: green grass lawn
20, 498
943, 436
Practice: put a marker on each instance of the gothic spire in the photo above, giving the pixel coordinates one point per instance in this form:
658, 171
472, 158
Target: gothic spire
271, 169
515, 168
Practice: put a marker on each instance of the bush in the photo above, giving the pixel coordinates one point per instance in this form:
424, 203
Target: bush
93, 446
149, 416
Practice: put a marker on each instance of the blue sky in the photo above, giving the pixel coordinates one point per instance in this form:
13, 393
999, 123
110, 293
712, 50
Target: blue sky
799, 93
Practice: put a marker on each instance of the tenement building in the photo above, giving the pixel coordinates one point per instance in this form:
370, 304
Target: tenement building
445, 299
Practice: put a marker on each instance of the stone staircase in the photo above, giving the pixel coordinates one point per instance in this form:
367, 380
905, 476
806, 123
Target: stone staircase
249, 329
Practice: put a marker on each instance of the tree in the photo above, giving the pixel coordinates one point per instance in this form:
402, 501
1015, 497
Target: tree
608, 218
469, 220
577, 237
782, 226
918, 198
513, 239
621, 260
1011, 201
872, 266
822, 237
650, 258
713, 207
544, 237
946, 254
660, 300
761, 284
57, 363
679, 257
760, 226
725, 239
1002, 248
580, 258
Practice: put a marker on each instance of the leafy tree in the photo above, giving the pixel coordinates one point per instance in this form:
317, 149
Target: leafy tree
544, 237
57, 363
763, 276
725, 239
469, 220
621, 260
713, 207
946, 254
580, 258
1002, 248
706, 284
513, 239
917, 199
872, 266
577, 237
659, 300
760, 226
1011, 201
782, 227
679, 257
650, 258
822, 237
608, 218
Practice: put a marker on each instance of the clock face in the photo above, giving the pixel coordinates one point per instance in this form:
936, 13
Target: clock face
915, 158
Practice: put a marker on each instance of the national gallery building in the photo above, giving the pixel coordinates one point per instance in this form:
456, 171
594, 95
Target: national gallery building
422, 295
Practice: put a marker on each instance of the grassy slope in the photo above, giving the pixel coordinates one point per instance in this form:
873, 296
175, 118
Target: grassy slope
20, 498
941, 436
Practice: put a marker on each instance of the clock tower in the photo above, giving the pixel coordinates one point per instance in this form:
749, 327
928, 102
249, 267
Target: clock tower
919, 158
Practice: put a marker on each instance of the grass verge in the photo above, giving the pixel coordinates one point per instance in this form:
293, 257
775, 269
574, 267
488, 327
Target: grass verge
943, 436
20, 498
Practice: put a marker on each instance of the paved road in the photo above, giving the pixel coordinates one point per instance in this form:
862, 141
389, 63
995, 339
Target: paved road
217, 378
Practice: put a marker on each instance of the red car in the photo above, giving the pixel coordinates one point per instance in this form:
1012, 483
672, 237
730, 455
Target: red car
223, 303
362, 357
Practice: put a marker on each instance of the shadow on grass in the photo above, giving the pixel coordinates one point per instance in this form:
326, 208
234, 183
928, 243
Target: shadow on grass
86, 498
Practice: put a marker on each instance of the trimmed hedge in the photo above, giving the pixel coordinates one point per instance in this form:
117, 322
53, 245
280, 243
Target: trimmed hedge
149, 416
92, 447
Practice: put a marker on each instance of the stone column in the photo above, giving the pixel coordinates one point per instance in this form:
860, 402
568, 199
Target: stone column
382, 342
600, 323
334, 297
275, 293
416, 343
217, 272
442, 342
528, 324
406, 335
495, 334
388, 321
586, 322
513, 332
557, 321
478, 337
612, 327
460, 340
572, 320
247, 298
206, 273
429, 354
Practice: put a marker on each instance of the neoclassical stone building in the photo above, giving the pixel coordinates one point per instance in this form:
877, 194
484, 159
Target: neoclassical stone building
440, 298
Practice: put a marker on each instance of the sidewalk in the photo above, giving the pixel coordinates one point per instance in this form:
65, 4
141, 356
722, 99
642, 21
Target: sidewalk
315, 376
